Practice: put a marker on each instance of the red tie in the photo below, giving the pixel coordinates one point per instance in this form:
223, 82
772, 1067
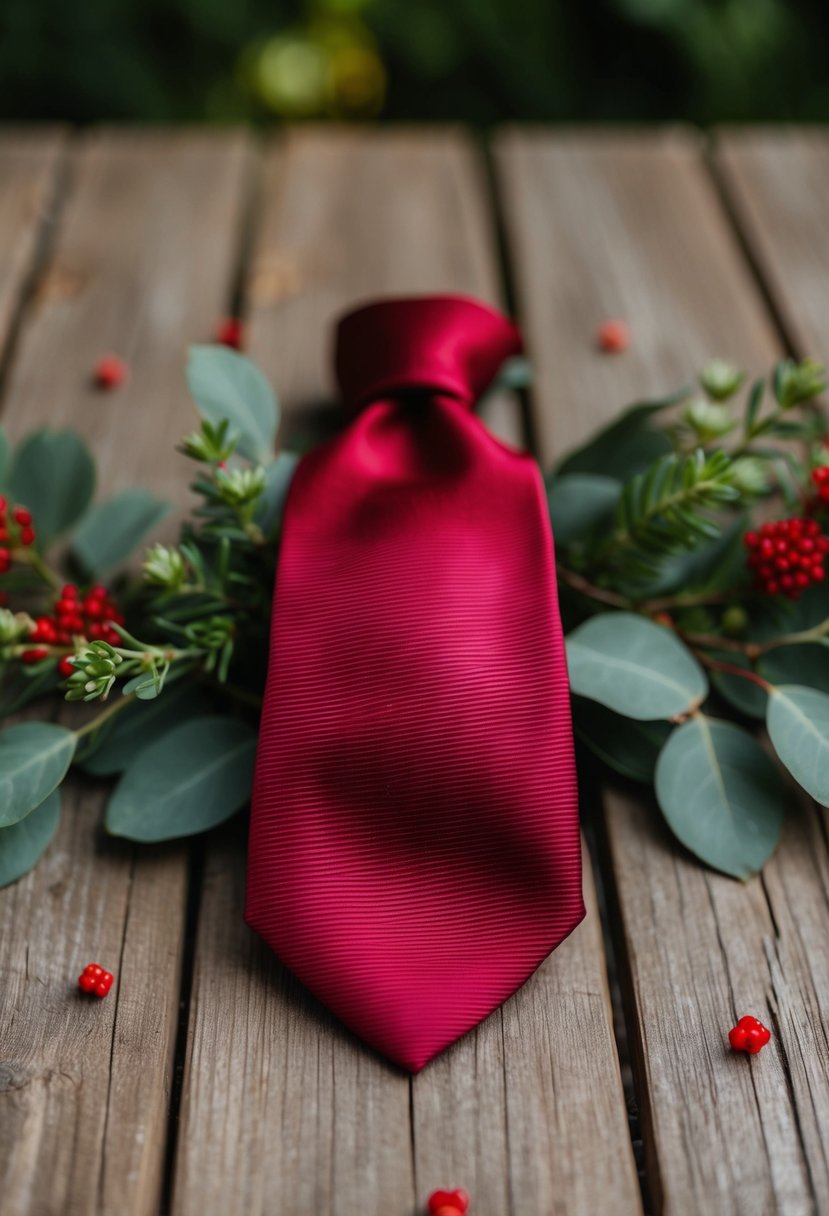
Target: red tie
414, 849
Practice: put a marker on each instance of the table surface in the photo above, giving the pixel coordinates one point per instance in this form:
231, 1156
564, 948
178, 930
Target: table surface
210, 1082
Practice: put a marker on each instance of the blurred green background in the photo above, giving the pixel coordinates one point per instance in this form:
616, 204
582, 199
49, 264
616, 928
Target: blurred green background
477, 60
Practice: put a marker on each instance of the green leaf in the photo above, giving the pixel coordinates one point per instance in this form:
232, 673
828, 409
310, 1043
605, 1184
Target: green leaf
712, 567
579, 503
22, 844
722, 796
109, 532
634, 667
278, 477
804, 664
53, 474
744, 695
798, 724
196, 776
34, 757
628, 747
753, 403
626, 447
225, 384
140, 724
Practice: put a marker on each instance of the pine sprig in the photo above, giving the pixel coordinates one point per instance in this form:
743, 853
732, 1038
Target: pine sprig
666, 510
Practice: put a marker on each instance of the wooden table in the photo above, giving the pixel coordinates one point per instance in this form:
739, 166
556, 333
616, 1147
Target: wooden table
210, 1083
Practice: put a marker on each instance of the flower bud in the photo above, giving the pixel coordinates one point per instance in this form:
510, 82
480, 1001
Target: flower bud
721, 379
164, 566
707, 420
795, 383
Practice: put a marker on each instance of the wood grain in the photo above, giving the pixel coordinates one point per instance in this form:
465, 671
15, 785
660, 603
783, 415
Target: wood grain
30, 166
723, 1135
85, 1085
777, 182
282, 1111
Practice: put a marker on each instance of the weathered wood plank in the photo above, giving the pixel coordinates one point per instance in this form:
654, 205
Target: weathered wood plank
30, 164
147, 252
777, 183
281, 1110
631, 226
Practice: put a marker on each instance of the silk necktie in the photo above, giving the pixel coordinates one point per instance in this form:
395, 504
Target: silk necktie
414, 850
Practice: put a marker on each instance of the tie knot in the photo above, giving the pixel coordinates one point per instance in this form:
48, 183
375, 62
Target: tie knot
441, 344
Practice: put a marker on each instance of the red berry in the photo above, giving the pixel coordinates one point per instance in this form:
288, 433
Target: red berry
110, 371
95, 980
65, 667
5, 560
231, 332
782, 555
34, 656
23, 516
27, 536
749, 1035
445, 1203
613, 337
69, 591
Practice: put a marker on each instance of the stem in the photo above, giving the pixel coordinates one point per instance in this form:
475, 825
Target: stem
109, 712
241, 694
581, 584
33, 559
689, 601
731, 669
713, 641
796, 639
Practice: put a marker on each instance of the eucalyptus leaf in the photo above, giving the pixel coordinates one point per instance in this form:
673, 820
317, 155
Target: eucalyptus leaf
34, 757
625, 745
579, 503
53, 474
24, 842
634, 667
195, 777
721, 794
138, 725
225, 384
743, 695
278, 477
628, 446
109, 533
798, 724
806, 664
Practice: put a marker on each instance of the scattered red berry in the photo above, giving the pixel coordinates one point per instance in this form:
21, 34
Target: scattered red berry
35, 655
613, 337
231, 332
110, 371
788, 556
95, 980
820, 480
447, 1203
749, 1035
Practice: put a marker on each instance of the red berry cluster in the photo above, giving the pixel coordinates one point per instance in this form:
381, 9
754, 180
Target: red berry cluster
749, 1035
15, 531
95, 980
90, 616
787, 556
820, 480
448, 1203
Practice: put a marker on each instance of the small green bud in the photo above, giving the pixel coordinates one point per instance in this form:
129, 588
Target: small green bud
721, 379
707, 420
795, 383
165, 567
210, 445
748, 474
734, 621
94, 672
240, 487
13, 625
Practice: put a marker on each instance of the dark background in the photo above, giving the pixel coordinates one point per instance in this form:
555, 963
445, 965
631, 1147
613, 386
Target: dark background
476, 60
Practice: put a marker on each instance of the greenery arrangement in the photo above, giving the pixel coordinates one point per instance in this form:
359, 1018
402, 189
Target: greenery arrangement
693, 612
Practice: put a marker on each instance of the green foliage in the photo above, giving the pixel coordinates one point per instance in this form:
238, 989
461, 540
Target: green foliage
634, 667
625, 447
798, 724
108, 533
627, 746
580, 503
227, 386
53, 474
122, 738
34, 758
721, 795
192, 778
23, 843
